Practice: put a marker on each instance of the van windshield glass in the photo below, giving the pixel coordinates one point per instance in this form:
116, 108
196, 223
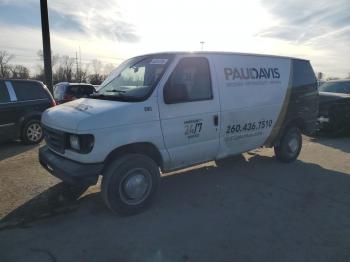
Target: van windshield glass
134, 79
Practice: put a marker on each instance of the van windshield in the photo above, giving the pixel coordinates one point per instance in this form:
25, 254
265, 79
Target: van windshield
135, 79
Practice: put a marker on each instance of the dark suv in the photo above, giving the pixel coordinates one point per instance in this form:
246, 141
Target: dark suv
65, 92
21, 105
334, 107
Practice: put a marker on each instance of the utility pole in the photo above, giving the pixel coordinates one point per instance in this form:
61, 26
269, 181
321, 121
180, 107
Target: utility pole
46, 44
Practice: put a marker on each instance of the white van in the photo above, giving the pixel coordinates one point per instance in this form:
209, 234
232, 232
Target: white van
167, 111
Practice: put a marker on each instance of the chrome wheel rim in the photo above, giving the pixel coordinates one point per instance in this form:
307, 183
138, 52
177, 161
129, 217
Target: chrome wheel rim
34, 132
135, 186
293, 145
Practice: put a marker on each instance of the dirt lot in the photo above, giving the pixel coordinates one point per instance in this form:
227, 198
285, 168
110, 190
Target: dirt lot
246, 208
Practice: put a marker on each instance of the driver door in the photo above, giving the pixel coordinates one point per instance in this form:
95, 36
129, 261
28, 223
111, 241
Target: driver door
189, 109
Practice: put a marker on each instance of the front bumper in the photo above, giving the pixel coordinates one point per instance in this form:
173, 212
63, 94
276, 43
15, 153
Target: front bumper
67, 170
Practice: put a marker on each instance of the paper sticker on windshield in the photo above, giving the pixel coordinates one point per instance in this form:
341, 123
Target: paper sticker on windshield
158, 61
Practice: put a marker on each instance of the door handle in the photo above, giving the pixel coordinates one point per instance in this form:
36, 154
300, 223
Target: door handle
216, 120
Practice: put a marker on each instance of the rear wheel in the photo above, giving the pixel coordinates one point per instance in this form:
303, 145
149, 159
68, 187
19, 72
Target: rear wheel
290, 145
130, 183
32, 132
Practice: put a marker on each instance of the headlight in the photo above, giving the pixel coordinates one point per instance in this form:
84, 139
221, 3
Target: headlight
74, 142
81, 143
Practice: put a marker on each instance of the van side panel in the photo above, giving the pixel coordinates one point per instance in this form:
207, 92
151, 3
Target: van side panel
252, 93
302, 107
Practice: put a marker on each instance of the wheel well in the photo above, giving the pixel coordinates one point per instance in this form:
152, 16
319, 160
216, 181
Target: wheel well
25, 119
143, 148
298, 122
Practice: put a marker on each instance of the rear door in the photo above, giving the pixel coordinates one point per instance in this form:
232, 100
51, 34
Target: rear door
189, 109
253, 93
31, 99
7, 117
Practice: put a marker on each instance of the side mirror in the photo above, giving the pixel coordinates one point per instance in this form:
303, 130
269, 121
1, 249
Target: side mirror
175, 93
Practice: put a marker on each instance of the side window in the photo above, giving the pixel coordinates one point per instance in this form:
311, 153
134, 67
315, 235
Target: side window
86, 90
190, 81
74, 90
4, 95
347, 87
28, 90
58, 91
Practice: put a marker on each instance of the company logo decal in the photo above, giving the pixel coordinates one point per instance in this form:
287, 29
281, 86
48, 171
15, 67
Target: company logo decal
252, 76
251, 73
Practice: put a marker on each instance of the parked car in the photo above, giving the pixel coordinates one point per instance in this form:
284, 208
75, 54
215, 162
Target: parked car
168, 111
64, 92
334, 106
21, 105
336, 86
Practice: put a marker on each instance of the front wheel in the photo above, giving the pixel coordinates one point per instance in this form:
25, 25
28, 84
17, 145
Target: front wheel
290, 145
130, 183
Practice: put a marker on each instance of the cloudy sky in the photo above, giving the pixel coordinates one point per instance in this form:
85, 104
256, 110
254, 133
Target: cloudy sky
113, 30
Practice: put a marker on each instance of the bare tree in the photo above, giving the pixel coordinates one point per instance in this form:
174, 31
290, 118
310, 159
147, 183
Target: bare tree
67, 64
64, 70
82, 74
20, 72
108, 68
54, 58
40, 68
5, 57
96, 66
96, 77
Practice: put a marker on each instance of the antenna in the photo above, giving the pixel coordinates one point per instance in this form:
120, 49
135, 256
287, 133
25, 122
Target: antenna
79, 57
202, 44
76, 62
80, 72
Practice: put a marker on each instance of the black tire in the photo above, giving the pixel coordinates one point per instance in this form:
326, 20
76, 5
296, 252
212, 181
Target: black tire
32, 132
290, 145
135, 173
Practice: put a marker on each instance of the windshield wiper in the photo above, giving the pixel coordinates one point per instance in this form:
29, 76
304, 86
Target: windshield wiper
115, 91
107, 97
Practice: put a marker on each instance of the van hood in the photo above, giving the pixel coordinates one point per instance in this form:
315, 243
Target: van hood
87, 114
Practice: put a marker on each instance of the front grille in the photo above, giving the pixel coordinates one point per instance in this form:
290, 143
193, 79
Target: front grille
55, 139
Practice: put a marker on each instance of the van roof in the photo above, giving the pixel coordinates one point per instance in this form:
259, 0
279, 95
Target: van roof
224, 53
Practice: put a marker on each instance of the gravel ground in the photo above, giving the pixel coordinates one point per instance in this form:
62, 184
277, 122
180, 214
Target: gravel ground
245, 208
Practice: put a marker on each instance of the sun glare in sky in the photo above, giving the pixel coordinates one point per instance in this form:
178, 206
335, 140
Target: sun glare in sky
113, 30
